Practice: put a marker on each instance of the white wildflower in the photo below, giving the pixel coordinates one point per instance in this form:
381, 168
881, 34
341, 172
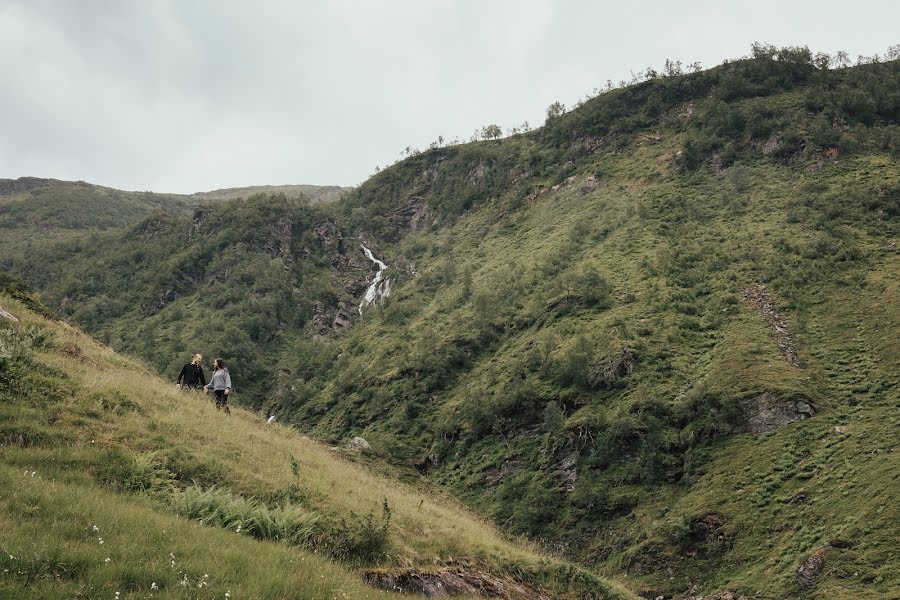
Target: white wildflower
228, 594
107, 559
95, 528
238, 530
101, 540
153, 586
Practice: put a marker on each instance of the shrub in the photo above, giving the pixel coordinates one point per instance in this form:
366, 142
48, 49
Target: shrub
220, 508
145, 473
353, 538
361, 539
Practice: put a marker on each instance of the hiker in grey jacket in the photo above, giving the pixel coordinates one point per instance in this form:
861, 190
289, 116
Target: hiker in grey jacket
220, 384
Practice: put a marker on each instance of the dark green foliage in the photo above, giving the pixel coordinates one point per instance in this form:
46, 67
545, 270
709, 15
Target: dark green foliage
138, 474
13, 286
731, 129
167, 288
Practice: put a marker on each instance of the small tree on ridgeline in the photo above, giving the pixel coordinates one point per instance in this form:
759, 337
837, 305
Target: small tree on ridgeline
491, 132
555, 110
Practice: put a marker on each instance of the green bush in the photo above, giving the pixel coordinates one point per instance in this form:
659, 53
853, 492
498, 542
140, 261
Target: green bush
352, 538
143, 473
220, 508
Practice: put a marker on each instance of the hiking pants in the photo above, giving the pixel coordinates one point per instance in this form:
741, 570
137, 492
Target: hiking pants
222, 400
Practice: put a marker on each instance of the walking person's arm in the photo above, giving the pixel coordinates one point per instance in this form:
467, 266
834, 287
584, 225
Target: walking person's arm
181, 376
227, 382
202, 377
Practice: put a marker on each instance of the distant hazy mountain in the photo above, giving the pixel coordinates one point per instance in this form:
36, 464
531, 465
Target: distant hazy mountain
35, 210
316, 193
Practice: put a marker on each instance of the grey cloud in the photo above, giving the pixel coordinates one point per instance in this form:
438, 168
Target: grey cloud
185, 96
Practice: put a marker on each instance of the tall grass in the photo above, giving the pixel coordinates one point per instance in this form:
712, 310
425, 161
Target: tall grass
217, 507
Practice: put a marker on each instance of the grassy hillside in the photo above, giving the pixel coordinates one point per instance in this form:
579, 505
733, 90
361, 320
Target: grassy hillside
630, 334
100, 457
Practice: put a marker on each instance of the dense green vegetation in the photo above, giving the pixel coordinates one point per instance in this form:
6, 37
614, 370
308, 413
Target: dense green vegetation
606, 333
233, 279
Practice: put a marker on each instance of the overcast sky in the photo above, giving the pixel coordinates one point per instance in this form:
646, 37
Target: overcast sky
184, 95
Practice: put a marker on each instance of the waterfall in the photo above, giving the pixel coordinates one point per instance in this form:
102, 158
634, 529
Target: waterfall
376, 289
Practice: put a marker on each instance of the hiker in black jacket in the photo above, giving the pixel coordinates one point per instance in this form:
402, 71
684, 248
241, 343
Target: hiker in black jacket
191, 376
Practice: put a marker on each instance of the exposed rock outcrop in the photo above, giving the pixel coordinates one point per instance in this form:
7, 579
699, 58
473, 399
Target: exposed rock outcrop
342, 319
280, 236
196, 222
413, 214
456, 582
808, 571
762, 298
768, 412
723, 595
567, 472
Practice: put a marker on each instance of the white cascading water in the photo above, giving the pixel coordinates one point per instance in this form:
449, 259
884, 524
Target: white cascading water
376, 289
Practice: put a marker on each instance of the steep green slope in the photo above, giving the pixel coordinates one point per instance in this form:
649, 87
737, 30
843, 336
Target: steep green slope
235, 278
629, 334
98, 457
584, 340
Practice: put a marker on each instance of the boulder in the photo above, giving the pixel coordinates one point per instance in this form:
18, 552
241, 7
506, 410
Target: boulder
359, 444
809, 569
342, 320
768, 412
